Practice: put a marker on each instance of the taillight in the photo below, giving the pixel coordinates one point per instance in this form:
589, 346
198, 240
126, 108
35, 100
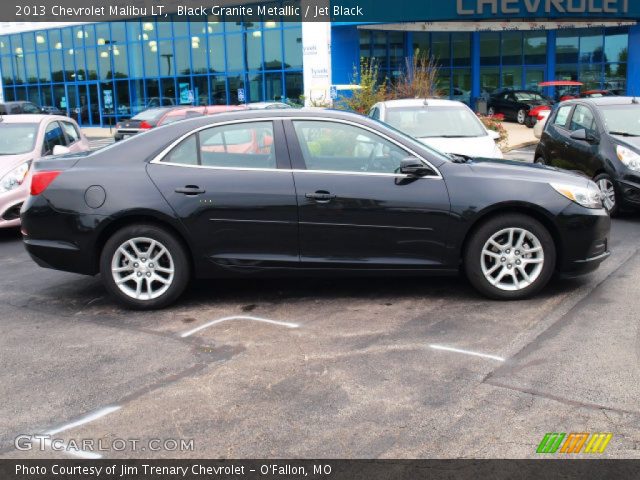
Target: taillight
144, 125
542, 116
41, 180
117, 126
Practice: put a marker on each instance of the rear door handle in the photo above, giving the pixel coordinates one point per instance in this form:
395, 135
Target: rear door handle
320, 196
190, 190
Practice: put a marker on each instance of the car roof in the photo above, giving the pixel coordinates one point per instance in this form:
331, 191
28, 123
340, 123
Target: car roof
28, 118
604, 101
422, 102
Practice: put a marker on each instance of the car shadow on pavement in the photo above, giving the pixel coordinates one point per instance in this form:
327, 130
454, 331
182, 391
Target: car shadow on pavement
9, 234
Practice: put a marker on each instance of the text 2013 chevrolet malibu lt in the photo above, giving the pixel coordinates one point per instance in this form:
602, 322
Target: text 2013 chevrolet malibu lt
305, 192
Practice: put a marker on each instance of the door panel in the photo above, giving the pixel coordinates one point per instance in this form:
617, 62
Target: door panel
356, 211
237, 216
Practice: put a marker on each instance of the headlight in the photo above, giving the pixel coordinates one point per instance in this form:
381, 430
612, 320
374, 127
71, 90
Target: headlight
590, 196
630, 158
15, 177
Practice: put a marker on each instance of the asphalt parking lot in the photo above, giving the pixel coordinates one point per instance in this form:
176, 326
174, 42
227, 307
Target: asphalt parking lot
322, 368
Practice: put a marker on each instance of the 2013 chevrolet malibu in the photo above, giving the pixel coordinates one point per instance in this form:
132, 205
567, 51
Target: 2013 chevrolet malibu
305, 192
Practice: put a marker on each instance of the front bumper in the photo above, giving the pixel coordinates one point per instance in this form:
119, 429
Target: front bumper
584, 239
628, 188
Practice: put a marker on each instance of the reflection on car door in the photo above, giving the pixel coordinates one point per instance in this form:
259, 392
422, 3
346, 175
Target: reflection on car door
232, 187
583, 155
355, 209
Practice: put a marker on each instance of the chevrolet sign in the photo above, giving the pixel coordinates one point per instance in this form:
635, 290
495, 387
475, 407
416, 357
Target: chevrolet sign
518, 7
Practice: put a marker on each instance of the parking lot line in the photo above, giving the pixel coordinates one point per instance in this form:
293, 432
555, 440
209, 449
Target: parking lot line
467, 352
89, 418
239, 317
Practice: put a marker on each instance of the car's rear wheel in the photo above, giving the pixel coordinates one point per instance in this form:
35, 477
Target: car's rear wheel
608, 189
521, 117
510, 257
540, 160
491, 112
144, 267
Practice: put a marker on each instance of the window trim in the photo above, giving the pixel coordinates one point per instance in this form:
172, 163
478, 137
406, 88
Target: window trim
157, 160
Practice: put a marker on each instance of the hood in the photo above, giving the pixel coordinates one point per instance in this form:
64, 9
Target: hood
631, 142
471, 147
526, 171
9, 162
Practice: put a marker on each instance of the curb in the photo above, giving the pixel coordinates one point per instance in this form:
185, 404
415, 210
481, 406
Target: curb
521, 145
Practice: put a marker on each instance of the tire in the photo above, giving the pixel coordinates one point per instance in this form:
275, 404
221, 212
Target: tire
540, 159
530, 122
491, 111
508, 282
521, 116
611, 201
161, 283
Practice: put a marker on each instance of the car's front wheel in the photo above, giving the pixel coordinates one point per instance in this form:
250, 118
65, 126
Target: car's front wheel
609, 195
510, 257
144, 267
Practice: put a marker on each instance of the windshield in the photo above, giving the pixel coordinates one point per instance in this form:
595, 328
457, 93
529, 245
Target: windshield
427, 122
622, 119
17, 138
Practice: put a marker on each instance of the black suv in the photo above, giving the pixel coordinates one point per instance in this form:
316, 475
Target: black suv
599, 137
18, 107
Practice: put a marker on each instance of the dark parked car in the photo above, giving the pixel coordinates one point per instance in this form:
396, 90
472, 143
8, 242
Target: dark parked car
145, 120
270, 192
49, 110
19, 107
516, 104
599, 137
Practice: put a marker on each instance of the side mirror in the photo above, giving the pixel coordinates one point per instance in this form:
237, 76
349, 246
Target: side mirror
60, 150
494, 135
414, 166
584, 136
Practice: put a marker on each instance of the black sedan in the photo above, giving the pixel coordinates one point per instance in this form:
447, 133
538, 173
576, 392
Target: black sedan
599, 137
516, 105
305, 192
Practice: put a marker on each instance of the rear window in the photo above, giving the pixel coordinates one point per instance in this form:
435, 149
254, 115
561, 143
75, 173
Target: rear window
151, 114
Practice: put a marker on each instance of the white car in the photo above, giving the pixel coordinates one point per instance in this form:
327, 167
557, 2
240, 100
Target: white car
446, 125
542, 120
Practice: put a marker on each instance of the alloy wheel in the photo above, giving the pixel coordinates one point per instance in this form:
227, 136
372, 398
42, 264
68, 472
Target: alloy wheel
609, 193
142, 268
512, 259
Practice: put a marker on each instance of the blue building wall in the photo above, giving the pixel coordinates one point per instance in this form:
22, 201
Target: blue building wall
345, 53
633, 69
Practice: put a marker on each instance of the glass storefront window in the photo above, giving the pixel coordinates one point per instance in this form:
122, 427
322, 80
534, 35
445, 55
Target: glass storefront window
134, 52
18, 68
165, 29
200, 90
7, 70
198, 46
567, 44
566, 72
253, 42
119, 55
183, 59
45, 67
118, 32
591, 47
180, 29
5, 47
218, 90
151, 58
167, 58
216, 53
441, 48
137, 99
234, 84
122, 106
421, 42
535, 48
42, 45
293, 86
293, 47
512, 48
169, 89
616, 47
512, 77
615, 77
235, 53
533, 76
273, 49
489, 80
92, 63
379, 49
365, 44
255, 88
28, 42
103, 34
81, 67
396, 52
489, 48
273, 86
591, 76
461, 44
214, 25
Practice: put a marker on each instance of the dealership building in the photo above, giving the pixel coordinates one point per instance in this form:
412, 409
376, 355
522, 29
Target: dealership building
100, 72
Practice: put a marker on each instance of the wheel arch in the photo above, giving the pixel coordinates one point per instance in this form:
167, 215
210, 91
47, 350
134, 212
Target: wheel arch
141, 217
518, 208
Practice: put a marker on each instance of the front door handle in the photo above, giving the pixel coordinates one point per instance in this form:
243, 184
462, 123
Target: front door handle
190, 190
321, 196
